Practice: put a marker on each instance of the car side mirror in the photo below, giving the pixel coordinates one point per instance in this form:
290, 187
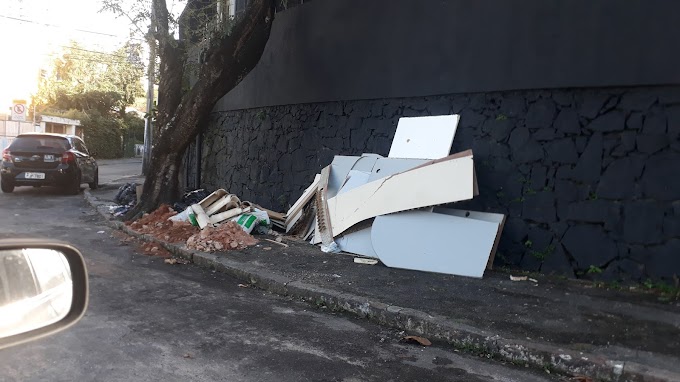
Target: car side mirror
43, 289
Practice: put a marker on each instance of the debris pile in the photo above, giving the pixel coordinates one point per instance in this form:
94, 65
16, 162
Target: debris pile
389, 208
158, 225
223, 237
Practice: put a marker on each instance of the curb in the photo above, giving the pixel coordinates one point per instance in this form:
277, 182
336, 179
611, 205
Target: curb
463, 337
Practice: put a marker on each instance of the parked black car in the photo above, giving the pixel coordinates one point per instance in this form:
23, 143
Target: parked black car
37, 159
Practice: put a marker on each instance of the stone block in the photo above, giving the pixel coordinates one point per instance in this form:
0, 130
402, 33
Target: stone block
589, 245
557, 263
563, 98
671, 226
499, 130
593, 211
634, 121
669, 95
539, 207
514, 105
652, 143
540, 114
673, 115
618, 180
627, 143
654, 124
562, 151
591, 104
546, 134
664, 261
637, 100
610, 121
538, 177
589, 166
660, 179
531, 151
643, 222
567, 122
518, 138
566, 191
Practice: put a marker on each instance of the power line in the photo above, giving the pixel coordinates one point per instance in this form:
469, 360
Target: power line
63, 27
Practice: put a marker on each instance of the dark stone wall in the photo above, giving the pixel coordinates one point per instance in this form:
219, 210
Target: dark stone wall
334, 50
587, 177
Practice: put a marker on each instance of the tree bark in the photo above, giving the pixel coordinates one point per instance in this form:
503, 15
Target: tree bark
228, 58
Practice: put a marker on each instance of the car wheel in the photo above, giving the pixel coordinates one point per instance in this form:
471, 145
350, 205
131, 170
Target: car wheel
95, 182
7, 187
74, 188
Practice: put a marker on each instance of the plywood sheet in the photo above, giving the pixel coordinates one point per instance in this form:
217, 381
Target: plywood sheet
424, 137
433, 242
440, 182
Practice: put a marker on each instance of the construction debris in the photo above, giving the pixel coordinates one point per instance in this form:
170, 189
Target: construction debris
360, 260
226, 236
277, 242
388, 208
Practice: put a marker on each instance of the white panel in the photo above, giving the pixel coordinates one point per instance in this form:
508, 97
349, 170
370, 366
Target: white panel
424, 137
385, 167
354, 179
433, 242
445, 181
358, 242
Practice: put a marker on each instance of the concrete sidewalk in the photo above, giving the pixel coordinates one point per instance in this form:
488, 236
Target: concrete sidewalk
558, 325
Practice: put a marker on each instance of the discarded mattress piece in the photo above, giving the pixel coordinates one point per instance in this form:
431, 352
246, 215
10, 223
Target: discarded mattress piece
388, 208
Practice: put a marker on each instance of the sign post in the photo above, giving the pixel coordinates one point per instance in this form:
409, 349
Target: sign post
19, 110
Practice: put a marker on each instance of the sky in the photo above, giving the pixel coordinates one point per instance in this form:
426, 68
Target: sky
42, 30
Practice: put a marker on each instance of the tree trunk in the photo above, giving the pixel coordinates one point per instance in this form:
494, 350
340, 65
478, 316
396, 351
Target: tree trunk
227, 59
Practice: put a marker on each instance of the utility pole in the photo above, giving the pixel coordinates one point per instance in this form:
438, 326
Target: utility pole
151, 79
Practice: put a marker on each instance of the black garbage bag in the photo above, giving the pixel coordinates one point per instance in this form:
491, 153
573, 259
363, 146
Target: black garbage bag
127, 194
195, 196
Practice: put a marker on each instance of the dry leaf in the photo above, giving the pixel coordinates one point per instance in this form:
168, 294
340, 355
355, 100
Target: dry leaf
421, 340
171, 261
518, 278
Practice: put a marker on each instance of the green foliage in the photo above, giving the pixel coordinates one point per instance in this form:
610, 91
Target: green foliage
103, 135
83, 79
594, 269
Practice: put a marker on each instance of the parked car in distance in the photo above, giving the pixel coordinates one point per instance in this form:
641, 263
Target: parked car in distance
42, 159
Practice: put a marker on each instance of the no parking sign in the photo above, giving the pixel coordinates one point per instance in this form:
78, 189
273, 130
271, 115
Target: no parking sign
19, 110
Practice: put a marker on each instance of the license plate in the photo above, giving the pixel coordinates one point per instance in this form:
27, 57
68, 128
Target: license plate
48, 158
34, 175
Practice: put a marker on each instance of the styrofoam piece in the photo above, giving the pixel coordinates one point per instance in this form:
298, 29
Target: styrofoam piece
228, 214
212, 198
354, 179
358, 242
498, 219
424, 137
443, 181
434, 242
225, 203
201, 216
385, 167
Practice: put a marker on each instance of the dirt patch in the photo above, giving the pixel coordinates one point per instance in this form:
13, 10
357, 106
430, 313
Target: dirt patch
226, 236
158, 225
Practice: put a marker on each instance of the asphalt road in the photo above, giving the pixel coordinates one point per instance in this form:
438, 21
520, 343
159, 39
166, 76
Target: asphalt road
150, 321
112, 170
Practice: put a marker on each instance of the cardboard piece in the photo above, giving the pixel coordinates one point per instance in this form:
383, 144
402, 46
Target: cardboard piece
424, 137
323, 218
427, 185
434, 242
